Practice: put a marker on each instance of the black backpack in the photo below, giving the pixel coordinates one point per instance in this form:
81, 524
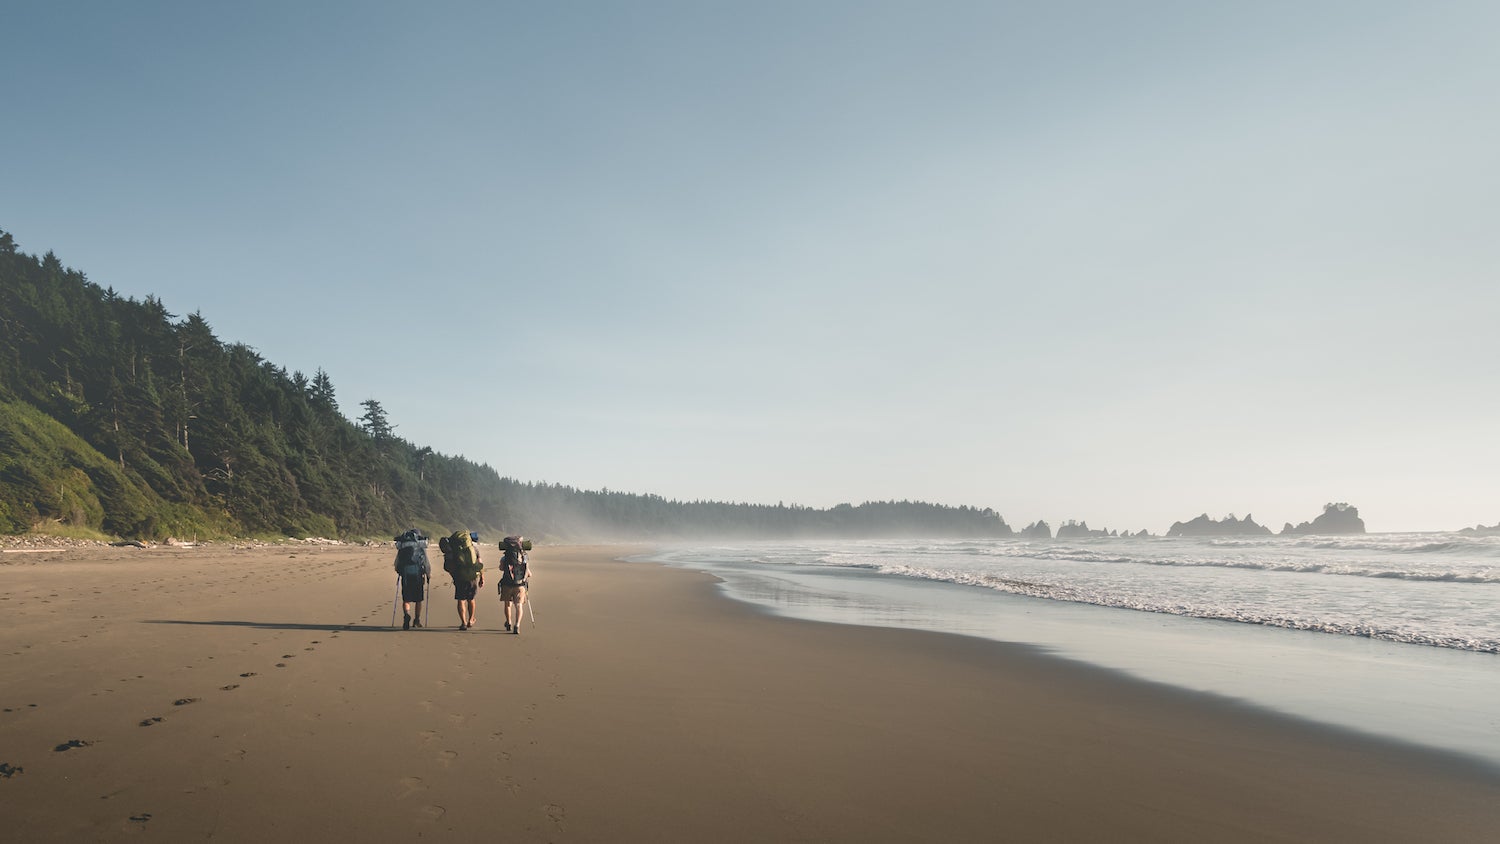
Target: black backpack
514, 571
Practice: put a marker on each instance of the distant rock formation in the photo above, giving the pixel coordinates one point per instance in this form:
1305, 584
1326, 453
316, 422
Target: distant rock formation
1228, 526
1481, 530
1036, 530
1337, 519
1080, 530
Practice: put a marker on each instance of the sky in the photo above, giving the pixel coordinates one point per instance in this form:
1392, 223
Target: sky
1120, 262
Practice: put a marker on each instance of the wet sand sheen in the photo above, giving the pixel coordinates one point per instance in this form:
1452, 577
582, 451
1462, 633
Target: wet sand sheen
203, 692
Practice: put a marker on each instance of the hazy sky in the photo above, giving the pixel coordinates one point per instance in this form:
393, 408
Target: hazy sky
1124, 262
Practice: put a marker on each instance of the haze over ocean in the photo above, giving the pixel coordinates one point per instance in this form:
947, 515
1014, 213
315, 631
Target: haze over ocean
1123, 263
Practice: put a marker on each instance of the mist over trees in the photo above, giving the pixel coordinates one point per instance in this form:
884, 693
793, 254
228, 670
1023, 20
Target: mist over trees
119, 416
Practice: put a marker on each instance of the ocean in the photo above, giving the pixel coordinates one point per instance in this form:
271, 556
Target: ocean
1391, 635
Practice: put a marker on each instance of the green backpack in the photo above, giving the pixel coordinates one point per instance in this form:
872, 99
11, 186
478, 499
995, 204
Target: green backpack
465, 563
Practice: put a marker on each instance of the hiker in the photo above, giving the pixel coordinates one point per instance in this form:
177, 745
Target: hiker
514, 577
415, 574
462, 562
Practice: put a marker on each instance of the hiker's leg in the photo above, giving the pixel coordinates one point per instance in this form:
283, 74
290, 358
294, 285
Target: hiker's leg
416, 612
461, 620
520, 606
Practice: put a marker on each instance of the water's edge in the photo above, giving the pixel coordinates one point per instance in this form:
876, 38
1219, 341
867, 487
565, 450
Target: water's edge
1411, 697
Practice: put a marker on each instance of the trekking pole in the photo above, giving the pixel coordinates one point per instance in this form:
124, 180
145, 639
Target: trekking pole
397, 604
426, 604
528, 607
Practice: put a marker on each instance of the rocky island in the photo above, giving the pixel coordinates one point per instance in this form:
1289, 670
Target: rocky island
1228, 526
1337, 519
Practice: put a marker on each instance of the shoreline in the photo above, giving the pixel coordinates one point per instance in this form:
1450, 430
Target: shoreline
645, 705
1418, 696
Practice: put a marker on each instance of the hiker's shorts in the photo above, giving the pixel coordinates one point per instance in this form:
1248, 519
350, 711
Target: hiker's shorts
465, 590
411, 589
514, 594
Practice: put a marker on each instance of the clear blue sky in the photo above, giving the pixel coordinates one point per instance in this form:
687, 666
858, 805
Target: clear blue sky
1116, 261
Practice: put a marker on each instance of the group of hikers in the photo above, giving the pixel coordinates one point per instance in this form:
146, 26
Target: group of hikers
462, 562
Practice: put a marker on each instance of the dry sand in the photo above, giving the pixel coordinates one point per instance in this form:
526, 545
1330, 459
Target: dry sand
259, 694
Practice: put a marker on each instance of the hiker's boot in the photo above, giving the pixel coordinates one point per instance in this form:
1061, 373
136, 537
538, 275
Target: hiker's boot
406, 621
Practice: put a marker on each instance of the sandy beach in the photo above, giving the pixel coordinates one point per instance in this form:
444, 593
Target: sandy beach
246, 693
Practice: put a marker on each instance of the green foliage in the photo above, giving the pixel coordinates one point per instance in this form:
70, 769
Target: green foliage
49, 473
116, 416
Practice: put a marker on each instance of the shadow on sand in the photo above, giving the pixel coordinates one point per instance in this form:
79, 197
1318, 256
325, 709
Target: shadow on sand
286, 625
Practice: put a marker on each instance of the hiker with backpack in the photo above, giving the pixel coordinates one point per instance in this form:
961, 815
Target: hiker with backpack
515, 575
461, 561
415, 573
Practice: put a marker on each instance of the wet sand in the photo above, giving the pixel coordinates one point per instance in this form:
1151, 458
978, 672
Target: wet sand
240, 693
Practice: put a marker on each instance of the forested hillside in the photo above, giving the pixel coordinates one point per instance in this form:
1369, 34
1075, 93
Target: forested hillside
118, 416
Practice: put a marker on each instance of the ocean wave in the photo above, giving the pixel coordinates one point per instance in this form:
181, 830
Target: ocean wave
1241, 615
1401, 561
1072, 554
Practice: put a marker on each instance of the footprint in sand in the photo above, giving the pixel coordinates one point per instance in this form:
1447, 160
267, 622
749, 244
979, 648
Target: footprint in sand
136, 824
431, 813
8, 770
70, 744
248, 674
555, 812
410, 786
229, 688
280, 665
446, 757
184, 701
154, 719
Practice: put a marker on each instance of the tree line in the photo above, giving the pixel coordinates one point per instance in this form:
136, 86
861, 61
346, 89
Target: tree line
120, 417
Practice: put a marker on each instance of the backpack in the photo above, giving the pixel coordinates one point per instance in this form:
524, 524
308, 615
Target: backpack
411, 554
513, 571
464, 564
